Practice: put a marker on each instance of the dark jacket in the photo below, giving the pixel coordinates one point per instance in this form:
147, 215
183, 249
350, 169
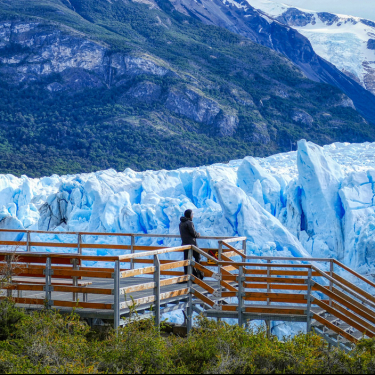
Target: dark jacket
187, 232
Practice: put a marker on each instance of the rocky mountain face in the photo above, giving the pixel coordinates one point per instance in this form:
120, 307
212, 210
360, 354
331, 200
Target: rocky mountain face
347, 42
272, 31
96, 84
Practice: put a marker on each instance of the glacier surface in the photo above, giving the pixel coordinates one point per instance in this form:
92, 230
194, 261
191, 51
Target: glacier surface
344, 41
317, 201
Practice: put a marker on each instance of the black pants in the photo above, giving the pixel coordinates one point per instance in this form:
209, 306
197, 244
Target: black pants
196, 256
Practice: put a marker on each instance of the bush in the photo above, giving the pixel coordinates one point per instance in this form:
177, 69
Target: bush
49, 342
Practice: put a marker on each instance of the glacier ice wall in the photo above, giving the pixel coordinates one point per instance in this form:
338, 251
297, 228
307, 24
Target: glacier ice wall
316, 201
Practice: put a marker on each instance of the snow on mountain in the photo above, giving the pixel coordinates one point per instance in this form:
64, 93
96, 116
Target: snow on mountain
347, 42
318, 201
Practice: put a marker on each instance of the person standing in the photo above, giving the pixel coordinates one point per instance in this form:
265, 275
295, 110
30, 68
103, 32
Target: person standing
189, 237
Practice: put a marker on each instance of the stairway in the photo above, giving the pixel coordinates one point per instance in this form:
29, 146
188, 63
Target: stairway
333, 336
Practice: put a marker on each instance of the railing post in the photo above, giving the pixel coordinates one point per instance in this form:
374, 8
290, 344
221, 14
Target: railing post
309, 285
132, 243
190, 301
79, 248
244, 246
48, 287
268, 284
75, 278
331, 270
28, 249
116, 292
219, 253
268, 322
240, 296
157, 290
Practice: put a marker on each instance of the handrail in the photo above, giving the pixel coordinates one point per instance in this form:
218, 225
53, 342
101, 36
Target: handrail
354, 273
119, 234
295, 290
166, 250
344, 287
294, 259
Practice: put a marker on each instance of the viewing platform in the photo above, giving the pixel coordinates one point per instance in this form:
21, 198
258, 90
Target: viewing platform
149, 281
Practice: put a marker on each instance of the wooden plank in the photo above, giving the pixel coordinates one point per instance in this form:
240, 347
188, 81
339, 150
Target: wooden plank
276, 280
275, 286
150, 299
151, 285
148, 261
203, 285
137, 288
335, 328
54, 244
29, 287
83, 305
234, 239
136, 272
347, 302
206, 271
228, 286
172, 273
59, 258
93, 274
343, 317
275, 310
175, 293
288, 296
229, 268
175, 280
344, 287
280, 273
264, 265
104, 246
276, 300
123, 258
77, 289
370, 313
232, 278
267, 310
137, 302
226, 259
13, 243
354, 273
203, 298
27, 301
255, 296
354, 287
352, 316
34, 280
173, 265
237, 252
26, 259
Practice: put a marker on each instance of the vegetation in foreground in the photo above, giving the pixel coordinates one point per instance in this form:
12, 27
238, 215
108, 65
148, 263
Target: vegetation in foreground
48, 342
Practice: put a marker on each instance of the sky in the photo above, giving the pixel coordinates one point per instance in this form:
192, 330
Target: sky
359, 8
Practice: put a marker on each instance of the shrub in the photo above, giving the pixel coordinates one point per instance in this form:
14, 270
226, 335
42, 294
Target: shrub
50, 342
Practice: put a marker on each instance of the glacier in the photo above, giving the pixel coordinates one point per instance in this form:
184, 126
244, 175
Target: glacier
343, 40
317, 201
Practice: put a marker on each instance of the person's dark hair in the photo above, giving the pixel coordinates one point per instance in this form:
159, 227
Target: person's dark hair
187, 214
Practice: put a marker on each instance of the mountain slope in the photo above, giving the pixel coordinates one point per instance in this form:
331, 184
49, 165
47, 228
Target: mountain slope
345, 41
90, 85
241, 17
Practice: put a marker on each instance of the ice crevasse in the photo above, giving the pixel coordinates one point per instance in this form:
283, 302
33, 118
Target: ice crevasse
317, 201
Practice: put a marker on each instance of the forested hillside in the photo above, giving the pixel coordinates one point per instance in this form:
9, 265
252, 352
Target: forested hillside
93, 84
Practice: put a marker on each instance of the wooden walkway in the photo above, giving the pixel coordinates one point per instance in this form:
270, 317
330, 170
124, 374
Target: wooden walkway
247, 288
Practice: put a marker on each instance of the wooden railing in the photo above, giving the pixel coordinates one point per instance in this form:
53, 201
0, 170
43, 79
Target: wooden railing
292, 289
